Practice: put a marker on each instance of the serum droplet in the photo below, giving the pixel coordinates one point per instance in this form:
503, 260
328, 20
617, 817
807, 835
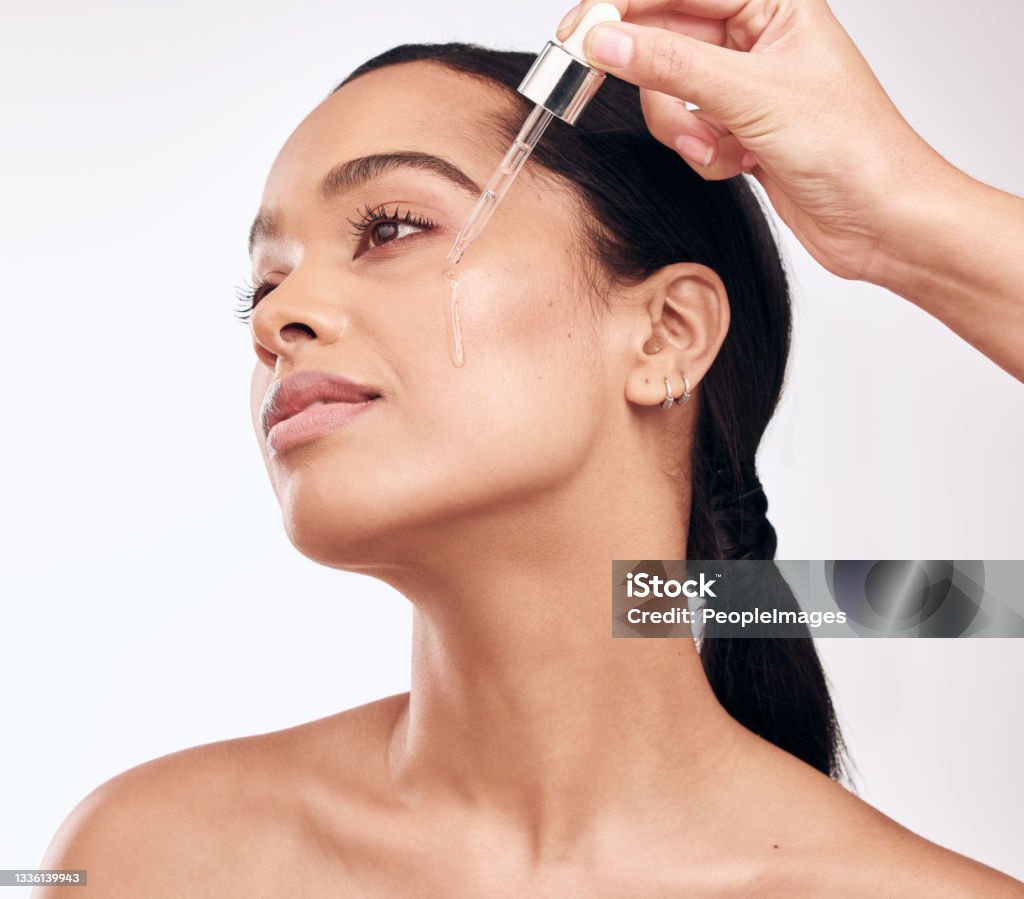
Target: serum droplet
454, 326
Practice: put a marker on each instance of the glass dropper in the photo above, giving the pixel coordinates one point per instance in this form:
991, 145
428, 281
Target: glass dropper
561, 82
501, 180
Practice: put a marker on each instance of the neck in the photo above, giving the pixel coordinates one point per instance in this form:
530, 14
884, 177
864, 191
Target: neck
521, 701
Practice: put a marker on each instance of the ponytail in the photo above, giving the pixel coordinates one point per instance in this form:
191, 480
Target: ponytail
774, 686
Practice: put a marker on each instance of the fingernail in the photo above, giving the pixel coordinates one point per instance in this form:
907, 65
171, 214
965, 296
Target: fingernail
570, 19
609, 46
694, 149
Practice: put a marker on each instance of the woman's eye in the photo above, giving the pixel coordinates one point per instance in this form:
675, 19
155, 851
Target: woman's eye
375, 227
386, 232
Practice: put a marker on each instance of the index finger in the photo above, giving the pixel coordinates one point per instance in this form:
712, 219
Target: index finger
711, 31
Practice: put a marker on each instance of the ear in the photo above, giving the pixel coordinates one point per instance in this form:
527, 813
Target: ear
683, 319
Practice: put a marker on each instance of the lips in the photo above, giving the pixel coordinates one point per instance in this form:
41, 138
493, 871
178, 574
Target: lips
290, 395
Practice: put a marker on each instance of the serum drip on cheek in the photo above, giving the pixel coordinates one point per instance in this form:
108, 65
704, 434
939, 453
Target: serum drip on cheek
452, 323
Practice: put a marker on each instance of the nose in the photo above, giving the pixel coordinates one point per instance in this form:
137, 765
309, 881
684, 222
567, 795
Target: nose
292, 317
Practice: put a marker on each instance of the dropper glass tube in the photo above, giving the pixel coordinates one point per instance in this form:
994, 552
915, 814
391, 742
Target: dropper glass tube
500, 181
561, 83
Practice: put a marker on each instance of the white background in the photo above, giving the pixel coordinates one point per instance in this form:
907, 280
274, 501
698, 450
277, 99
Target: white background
150, 598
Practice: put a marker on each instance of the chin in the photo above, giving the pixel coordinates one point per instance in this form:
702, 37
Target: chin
352, 520
335, 529
335, 542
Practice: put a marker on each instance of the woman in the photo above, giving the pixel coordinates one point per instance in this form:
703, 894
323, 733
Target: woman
489, 464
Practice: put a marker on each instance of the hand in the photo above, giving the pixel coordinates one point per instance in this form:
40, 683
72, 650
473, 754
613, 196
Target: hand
784, 94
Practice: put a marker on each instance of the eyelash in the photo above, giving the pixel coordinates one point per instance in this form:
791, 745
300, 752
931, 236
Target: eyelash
248, 295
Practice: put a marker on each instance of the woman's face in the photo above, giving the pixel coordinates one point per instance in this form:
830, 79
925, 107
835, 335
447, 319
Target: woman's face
445, 448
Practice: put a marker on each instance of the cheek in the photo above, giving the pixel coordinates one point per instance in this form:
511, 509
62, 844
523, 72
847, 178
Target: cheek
524, 344
481, 325
525, 313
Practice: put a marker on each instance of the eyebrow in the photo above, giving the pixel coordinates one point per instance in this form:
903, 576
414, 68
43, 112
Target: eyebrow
356, 172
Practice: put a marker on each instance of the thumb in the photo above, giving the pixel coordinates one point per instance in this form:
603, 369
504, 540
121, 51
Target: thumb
713, 77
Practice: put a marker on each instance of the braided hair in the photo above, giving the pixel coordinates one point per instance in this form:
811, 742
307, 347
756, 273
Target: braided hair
648, 209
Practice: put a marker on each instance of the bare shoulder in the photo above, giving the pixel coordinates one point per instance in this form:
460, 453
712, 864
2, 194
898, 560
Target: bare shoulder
219, 818
844, 846
922, 867
948, 873
911, 865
